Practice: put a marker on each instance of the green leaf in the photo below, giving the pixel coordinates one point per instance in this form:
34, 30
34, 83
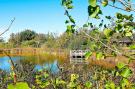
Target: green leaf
66, 21
45, 84
120, 65
87, 55
108, 32
124, 82
74, 77
126, 72
72, 85
132, 46
99, 55
104, 3
93, 46
70, 29
67, 4
85, 25
118, 87
119, 16
128, 34
59, 81
72, 20
88, 84
92, 2
19, 85
63, 2
110, 85
128, 31
94, 11
108, 17
70, 7
101, 24
46, 75
118, 27
131, 18
113, 1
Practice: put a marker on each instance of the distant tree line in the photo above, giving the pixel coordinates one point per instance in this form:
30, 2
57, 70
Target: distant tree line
29, 38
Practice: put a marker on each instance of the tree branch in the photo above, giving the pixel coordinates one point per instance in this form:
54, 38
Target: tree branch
8, 27
118, 7
114, 50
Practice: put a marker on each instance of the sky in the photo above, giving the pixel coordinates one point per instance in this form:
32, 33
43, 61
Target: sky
43, 16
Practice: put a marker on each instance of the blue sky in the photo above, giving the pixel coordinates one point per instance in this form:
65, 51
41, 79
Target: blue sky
42, 16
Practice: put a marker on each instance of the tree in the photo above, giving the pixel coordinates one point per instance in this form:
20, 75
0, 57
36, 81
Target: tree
27, 35
17, 39
123, 24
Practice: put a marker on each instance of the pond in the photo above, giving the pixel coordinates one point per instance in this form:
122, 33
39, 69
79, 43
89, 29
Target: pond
5, 64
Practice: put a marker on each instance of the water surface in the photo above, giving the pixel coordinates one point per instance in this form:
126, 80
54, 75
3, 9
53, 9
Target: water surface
5, 64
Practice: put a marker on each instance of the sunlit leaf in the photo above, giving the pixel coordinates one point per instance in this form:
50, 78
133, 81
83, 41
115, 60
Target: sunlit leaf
120, 65
88, 84
110, 85
124, 82
99, 55
132, 46
93, 11
126, 72
19, 85
87, 55
70, 29
108, 32
104, 3
74, 77
92, 3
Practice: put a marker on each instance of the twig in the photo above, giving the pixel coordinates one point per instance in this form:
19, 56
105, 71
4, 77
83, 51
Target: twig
118, 7
12, 64
101, 42
11, 61
8, 27
114, 50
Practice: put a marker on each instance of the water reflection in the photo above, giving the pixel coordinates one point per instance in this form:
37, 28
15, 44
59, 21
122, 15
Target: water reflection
5, 65
4, 62
50, 66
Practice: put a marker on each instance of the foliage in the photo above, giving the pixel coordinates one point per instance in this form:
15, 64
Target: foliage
132, 46
26, 35
95, 39
123, 24
20, 85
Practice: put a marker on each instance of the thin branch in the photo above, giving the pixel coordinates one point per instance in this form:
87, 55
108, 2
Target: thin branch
11, 61
114, 50
8, 27
117, 7
101, 42
126, 5
12, 65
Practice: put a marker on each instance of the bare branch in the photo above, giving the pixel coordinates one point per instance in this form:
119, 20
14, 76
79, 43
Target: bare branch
8, 27
11, 61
